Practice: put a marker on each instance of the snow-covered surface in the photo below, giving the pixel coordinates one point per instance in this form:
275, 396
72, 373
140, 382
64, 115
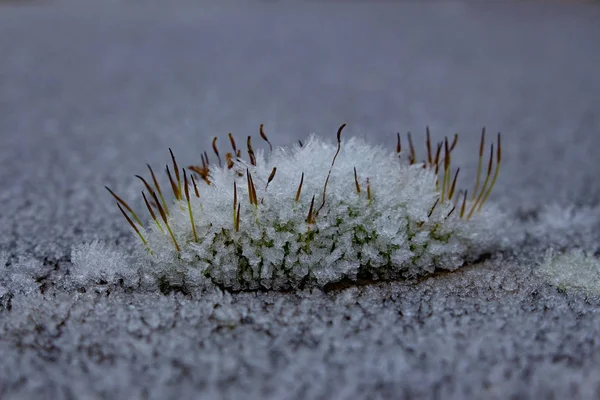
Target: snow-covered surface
89, 95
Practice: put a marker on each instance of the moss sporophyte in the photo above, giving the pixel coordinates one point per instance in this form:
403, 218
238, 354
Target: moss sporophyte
315, 213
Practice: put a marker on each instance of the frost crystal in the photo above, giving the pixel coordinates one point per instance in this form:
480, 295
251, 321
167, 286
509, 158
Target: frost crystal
314, 214
95, 263
573, 269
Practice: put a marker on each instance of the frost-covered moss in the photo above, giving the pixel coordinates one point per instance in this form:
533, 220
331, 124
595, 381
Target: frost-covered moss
317, 213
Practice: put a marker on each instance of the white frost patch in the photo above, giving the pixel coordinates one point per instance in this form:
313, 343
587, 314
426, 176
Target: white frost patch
574, 269
96, 262
20, 276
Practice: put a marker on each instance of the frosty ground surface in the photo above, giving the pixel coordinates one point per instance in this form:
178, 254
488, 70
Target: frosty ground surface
88, 96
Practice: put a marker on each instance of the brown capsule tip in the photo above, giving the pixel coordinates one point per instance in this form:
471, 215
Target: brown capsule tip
454, 142
453, 186
232, 142
272, 175
195, 186
299, 188
482, 143
264, 136
148, 187
398, 143
121, 201
339, 132
152, 214
185, 184
499, 149
309, 218
162, 213
356, 181
464, 204
128, 219
175, 167
234, 194
216, 150
446, 154
428, 143
413, 154
491, 159
433, 208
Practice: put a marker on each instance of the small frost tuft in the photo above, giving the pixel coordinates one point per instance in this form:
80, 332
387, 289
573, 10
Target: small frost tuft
574, 269
97, 263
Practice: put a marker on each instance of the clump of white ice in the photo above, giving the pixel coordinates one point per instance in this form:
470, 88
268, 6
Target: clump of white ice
392, 220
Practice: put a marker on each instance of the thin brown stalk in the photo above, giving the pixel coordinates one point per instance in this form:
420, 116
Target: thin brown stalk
412, 158
464, 204
368, 189
339, 145
251, 151
398, 143
262, 135
232, 143
166, 222
157, 186
152, 212
146, 184
446, 166
251, 189
120, 200
451, 211
433, 208
310, 217
299, 188
237, 219
195, 187
498, 161
479, 164
428, 141
271, 176
174, 187
187, 197
135, 228
234, 201
216, 150
454, 142
254, 198
356, 182
485, 182
176, 170
453, 186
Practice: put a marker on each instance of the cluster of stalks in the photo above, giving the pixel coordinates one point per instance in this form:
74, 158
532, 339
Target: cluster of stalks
439, 161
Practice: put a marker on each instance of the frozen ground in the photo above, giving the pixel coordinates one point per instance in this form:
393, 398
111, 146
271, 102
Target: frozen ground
89, 95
